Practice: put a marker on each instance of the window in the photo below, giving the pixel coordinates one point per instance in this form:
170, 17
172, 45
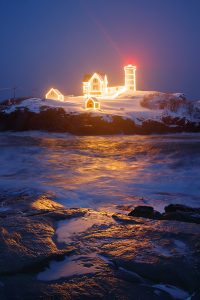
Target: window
97, 105
95, 84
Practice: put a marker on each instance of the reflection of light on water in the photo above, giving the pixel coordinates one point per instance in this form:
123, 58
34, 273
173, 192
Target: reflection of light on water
70, 266
103, 171
66, 229
76, 264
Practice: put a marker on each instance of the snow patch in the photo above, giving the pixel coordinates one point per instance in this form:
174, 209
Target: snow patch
126, 106
175, 292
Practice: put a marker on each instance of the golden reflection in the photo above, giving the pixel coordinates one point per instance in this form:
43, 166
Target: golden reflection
96, 161
43, 203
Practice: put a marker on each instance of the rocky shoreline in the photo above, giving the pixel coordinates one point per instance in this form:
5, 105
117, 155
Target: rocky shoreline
48, 251
57, 120
176, 212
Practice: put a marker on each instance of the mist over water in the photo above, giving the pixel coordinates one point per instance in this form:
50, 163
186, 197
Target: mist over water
102, 172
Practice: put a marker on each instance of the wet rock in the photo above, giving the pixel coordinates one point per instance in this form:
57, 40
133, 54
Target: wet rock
180, 207
145, 212
132, 258
105, 286
176, 212
124, 207
27, 235
182, 213
123, 219
182, 217
158, 251
129, 275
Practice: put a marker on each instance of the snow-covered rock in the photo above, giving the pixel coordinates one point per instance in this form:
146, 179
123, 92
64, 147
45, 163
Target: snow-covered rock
171, 110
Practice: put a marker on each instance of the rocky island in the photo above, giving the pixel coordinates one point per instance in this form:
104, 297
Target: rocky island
141, 113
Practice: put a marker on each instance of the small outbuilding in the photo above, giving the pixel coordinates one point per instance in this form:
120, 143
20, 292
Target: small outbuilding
55, 95
92, 103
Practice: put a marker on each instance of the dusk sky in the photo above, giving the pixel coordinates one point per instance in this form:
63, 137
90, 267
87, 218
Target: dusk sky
48, 43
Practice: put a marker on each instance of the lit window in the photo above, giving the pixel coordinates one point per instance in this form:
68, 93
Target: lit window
95, 84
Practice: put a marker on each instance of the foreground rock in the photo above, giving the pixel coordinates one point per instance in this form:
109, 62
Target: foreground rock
145, 212
176, 212
26, 234
48, 251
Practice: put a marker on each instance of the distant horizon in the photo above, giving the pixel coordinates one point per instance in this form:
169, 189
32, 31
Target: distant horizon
54, 43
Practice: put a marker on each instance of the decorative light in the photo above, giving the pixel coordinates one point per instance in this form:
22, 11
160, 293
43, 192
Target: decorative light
92, 103
130, 77
103, 91
97, 86
55, 92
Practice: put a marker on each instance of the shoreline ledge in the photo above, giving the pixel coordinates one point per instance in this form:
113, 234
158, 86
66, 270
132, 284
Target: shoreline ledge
116, 254
57, 120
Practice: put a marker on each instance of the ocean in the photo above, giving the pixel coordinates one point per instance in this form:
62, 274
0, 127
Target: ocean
102, 172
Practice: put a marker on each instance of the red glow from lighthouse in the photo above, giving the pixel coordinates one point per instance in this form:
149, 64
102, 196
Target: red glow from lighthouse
129, 61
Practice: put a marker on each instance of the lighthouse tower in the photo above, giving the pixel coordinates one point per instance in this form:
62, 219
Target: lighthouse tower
130, 78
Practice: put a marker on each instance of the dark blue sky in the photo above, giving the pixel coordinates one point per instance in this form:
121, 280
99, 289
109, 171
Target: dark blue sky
48, 43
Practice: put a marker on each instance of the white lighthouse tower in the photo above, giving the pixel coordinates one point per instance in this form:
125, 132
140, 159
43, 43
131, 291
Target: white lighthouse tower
130, 78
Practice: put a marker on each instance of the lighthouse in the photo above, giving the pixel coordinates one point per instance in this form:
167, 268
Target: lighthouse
130, 78
96, 84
